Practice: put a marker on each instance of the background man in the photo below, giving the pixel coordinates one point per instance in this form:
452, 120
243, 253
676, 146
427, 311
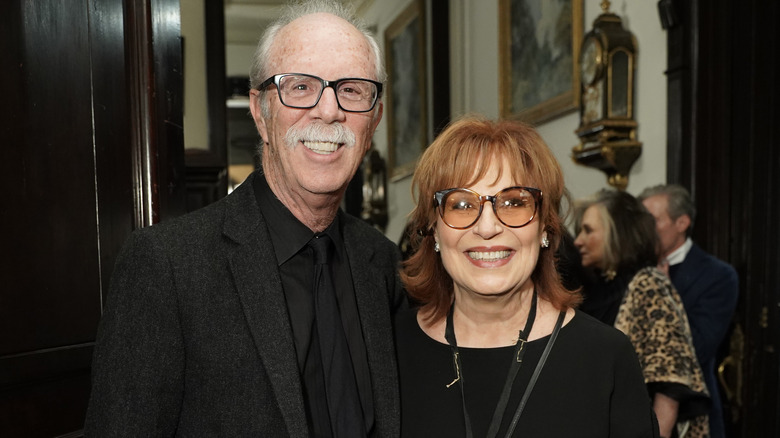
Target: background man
214, 323
708, 286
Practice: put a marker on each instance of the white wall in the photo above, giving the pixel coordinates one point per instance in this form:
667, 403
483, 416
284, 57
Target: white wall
193, 30
238, 59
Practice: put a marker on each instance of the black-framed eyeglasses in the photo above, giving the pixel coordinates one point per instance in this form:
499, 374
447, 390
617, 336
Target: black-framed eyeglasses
299, 90
461, 208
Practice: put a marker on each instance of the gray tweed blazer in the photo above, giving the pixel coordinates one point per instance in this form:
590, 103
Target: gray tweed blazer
195, 339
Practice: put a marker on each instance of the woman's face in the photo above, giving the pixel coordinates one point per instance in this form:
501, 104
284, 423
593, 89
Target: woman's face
490, 258
590, 240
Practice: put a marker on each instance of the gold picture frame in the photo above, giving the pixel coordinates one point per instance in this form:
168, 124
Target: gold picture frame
539, 79
405, 98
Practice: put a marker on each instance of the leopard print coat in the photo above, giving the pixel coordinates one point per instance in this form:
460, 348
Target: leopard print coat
653, 317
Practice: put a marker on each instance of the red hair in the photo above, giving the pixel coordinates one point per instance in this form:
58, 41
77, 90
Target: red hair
460, 156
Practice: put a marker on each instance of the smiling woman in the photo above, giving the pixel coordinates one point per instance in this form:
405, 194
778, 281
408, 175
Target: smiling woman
495, 330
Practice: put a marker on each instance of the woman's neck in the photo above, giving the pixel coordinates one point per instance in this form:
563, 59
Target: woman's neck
495, 321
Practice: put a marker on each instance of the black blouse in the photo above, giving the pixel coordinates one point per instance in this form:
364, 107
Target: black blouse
590, 386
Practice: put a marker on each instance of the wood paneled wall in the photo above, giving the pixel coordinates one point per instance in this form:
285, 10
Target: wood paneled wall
91, 127
724, 145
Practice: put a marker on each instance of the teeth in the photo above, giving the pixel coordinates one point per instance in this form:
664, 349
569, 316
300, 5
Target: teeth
321, 147
489, 256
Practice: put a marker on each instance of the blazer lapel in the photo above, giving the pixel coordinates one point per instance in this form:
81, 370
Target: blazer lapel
254, 268
367, 279
371, 294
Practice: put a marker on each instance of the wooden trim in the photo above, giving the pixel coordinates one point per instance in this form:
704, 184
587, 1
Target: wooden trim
155, 87
216, 86
142, 111
440, 65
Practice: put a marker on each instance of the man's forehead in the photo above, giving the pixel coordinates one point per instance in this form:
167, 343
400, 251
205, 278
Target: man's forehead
312, 37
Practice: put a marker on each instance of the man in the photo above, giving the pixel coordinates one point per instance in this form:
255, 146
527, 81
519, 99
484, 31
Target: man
213, 322
708, 286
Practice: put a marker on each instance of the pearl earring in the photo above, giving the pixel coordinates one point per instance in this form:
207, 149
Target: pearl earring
436, 247
545, 242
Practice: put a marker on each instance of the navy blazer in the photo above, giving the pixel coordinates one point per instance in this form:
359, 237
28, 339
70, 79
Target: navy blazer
196, 340
709, 289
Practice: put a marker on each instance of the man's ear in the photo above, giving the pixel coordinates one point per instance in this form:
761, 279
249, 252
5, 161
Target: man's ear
376, 118
257, 113
682, 223
380, 108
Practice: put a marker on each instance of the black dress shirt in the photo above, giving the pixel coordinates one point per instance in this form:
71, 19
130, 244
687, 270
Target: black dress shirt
296, 266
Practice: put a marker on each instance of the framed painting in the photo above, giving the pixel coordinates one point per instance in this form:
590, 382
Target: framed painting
539, 44
405, 99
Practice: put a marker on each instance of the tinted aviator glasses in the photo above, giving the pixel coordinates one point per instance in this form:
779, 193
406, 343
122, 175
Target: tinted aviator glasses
299, 90
461, 208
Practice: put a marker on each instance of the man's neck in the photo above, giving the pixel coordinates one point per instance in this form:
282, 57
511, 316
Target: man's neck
315, 210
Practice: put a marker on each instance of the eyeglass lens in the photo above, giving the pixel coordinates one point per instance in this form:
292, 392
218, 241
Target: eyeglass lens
514, 207
304, 92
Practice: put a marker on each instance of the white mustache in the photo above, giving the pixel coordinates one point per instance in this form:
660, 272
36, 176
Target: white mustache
332, 133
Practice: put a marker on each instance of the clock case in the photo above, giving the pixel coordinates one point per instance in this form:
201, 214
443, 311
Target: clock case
607, 130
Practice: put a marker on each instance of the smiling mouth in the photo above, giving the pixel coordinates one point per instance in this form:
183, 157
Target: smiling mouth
490, 256
321, 147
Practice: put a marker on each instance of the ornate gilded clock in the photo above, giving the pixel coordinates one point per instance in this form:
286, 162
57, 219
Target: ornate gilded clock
607, 130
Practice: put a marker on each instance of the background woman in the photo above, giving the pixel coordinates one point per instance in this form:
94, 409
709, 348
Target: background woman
491, 303
618, 244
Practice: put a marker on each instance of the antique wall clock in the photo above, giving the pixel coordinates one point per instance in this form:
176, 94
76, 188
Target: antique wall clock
607, 130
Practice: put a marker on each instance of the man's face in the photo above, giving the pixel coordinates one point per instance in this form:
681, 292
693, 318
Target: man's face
671, 232
303, 154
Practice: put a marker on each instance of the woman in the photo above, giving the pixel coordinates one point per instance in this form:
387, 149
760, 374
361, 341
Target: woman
491, 303
618, 244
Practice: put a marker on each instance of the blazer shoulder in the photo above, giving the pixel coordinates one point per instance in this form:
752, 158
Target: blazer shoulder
203, 234
701, 261
186, 230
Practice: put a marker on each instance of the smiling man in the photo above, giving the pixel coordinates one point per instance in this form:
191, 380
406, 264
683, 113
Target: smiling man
316, 109
267, 313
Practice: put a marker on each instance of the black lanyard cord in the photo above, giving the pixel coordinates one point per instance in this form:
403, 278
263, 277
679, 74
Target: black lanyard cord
535, 375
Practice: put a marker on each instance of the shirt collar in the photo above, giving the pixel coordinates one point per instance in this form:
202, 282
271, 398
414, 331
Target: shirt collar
288, 234
678, 255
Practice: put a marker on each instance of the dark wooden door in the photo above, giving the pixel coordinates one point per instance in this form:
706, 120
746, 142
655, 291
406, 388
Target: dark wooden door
91, 149
724, 136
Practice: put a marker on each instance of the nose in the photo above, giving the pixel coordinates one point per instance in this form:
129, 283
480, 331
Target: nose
488, 225
327, 109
